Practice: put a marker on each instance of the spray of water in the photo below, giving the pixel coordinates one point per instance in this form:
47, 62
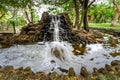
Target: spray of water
59, 48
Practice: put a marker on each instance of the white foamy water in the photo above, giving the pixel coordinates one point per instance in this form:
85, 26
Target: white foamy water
55, 23
44, 57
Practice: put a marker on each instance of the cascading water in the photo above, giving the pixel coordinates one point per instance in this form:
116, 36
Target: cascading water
56, 54
55, 23
59, 49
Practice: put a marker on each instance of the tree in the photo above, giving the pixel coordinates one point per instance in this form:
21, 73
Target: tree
100, 13
76, 4
3, 9
29, 12
117, 12
85, 5
65, 6
27, 6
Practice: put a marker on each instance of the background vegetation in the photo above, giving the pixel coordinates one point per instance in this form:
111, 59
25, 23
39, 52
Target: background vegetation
90, 13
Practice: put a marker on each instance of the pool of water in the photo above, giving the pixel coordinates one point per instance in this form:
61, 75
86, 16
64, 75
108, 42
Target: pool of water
58, 56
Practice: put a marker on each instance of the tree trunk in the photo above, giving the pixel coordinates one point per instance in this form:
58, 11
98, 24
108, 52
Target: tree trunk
31, 12
85, 22
100, 19
27, 17
115, 18
81, 20
86, 4
31, 15
2, 16
76, 4
117, 13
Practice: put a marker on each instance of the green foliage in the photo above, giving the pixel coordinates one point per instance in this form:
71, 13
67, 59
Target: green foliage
15, 3
97, 10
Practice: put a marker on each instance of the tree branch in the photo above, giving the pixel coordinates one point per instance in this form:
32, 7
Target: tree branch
14, 13
2, 16
90, 4
115, 4
26, 16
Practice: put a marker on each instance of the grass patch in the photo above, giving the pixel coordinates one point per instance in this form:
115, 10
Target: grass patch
104, 25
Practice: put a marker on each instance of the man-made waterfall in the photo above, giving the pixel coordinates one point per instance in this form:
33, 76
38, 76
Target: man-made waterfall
58, 47
57, 53
55, 23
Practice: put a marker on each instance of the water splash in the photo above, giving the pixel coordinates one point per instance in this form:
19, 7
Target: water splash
54, 56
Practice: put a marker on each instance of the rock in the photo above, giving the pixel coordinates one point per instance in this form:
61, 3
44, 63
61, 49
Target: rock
54, 76
113, 41
84, 72
117, 68
33, 28
42, 76
108, 67
0, 67
102, 70
31, 33
79, 50
67, 19
28, 69
30, 24
25, 39
115, 54
115, 62
95, 71
8, 68
97, 34
89, 37
52, 61
44, 16
63, 70
99, 40
71, 72
21, 68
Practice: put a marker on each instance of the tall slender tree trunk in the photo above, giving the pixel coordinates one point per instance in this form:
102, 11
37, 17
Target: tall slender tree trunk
115, 18
81, 19
85, 4
76, 4
85, 22
27, 16
31, 12
100, 19
32, 16
117, 13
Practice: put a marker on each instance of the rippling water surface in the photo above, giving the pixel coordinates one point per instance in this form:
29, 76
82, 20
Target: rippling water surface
55, 56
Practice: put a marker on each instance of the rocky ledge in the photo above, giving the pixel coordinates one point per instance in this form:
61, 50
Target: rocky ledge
34, 32
110, 72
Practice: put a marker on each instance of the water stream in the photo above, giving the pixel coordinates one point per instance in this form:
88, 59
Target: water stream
57, 55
